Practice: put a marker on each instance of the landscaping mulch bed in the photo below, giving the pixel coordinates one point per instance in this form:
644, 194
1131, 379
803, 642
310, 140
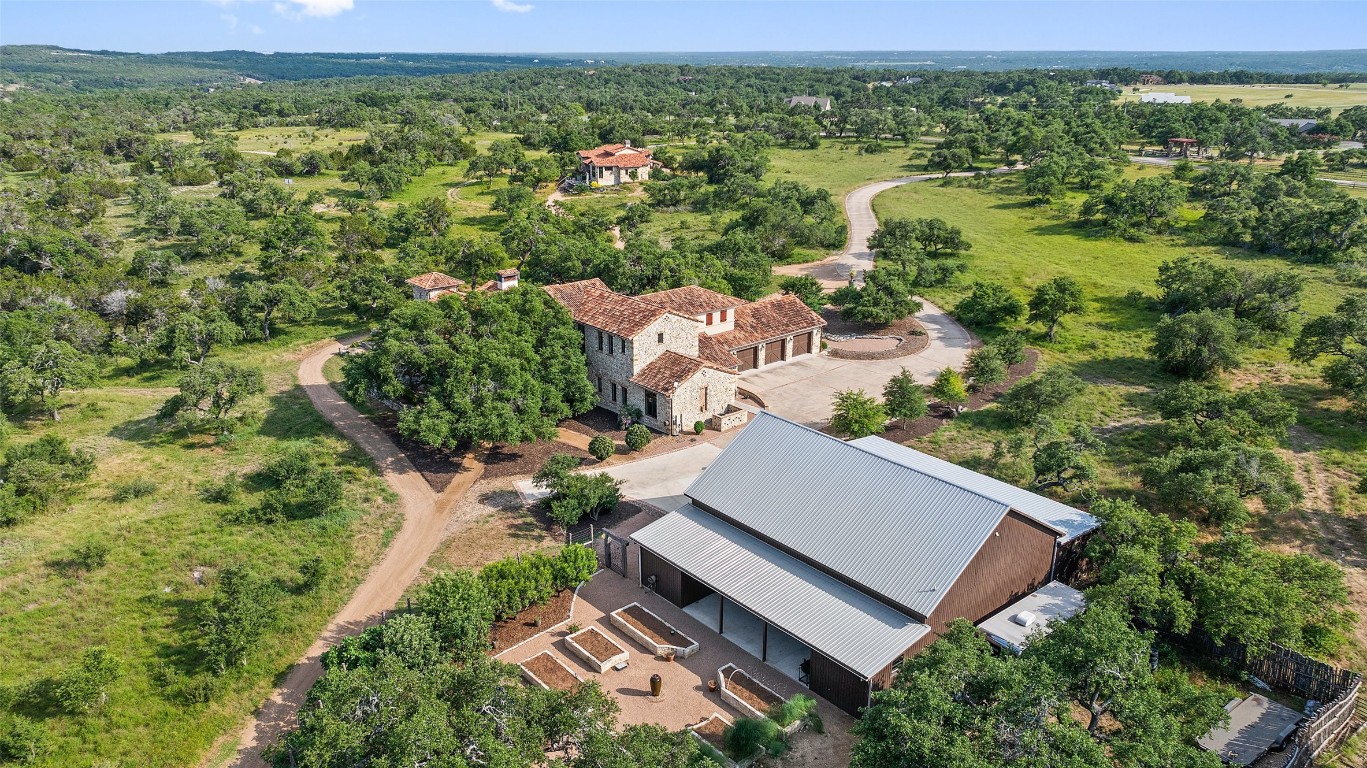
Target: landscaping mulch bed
648, 625
597, 644
523, 626
713, 731
601, 421
438, 466
940, 415
550, 671
524, 460
748, 690
914, 338
625, 511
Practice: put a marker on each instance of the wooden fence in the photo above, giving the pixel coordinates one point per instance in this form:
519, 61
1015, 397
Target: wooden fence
1336, 690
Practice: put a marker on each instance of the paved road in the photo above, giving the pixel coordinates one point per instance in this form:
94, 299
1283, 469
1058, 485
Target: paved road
425, 516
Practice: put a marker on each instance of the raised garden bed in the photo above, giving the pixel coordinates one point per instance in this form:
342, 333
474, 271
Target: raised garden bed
547, 671
531, 621
597, 650
711, 732
745, 693
652, 632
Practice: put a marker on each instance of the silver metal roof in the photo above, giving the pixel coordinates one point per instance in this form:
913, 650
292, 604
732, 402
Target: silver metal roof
901, 533
838, 620
1068, 521
1052, 602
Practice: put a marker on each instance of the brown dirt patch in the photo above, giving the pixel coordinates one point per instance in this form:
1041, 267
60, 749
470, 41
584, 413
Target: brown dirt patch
601, 421
713, 731
524, 460
597, 644
940, 415
550, 671
750, 691
489, 523
914, 338
438, 466
651, 627
530, 622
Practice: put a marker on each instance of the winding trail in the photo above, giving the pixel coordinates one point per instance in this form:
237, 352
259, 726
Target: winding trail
425, 515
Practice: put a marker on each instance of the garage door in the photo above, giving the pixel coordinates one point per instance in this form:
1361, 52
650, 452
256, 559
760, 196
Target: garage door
749, 358
773, 352
802, 343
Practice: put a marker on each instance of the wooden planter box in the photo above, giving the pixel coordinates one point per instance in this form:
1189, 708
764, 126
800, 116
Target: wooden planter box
658, 643
592, 637
547, 658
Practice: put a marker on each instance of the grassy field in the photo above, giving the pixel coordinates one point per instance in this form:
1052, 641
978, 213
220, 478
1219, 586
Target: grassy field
143, 603
1334, 97
298, 138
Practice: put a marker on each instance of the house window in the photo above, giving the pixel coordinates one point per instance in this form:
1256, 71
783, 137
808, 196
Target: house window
622, 344
600, 385
702, 400
650, 404
659, 338
600, 341
610, 345
709, 318
723, 315
614, 391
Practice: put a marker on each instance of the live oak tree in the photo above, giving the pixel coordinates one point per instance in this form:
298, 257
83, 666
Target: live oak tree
1343, 337
212, 390
985, 367
885, 297
990, 304
1044, 394
43, 372
243, 608
1197, 345
501, 367
1054, 300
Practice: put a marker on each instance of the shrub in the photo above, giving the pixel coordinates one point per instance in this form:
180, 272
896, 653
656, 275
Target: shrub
990, 304
516, 583
35, 475
749, 735
857, 414
462, 609
85, 686
1010, 347
304, 488
638, 437
574, 565
601, 447
792, 710
985, 367
134, 489
22, 740
225, 491
699, 426
91, 555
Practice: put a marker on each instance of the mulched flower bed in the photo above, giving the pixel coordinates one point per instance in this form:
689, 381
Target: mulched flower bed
713, 731
597, 644
748, 690
550, 671
601, 421
649, 626
509, 632
524, 460
941, 415
438, 466
625, 511
914, 338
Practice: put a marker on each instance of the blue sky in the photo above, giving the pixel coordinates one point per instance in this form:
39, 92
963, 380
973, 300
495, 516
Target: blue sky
672, 25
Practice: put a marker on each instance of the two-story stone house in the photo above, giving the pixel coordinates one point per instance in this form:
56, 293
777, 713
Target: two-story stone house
676, 355
614, 164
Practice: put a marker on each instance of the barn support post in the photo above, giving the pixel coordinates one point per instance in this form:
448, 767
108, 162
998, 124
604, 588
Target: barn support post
721, 613
764, 643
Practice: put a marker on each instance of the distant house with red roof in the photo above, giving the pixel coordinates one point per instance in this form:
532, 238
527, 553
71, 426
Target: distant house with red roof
614, 164
678, 355
433, 285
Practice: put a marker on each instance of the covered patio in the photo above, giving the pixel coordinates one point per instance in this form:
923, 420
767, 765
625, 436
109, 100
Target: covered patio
770, 644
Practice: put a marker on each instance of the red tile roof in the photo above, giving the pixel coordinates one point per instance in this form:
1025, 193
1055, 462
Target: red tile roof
616, 313
714, 351
665, 373
571, 295
616, 156
772, 317
692, 300
434, 281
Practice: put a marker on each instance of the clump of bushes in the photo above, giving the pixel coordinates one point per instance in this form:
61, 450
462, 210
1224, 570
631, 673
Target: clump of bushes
36, 475
519, 582
799, 707
601, 447
304, 488
574, 495
638, 437
91, 555
137, 488
750, 735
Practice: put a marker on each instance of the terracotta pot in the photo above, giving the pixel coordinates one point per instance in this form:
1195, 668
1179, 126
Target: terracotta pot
712, 685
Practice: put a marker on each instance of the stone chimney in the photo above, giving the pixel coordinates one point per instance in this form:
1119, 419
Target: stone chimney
506, 279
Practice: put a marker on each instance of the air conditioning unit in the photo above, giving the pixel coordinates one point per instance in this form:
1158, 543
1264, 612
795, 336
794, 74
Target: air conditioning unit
1024, 618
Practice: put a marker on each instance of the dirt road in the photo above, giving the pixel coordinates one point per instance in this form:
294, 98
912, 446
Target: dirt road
425, 516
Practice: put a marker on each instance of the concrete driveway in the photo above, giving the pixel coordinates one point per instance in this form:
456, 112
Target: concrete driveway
802, 389
659, 480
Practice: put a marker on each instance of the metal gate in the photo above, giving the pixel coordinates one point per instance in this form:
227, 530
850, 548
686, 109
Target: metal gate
615, 552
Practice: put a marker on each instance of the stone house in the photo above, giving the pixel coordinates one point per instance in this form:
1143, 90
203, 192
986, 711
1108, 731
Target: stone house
433, 285
614, 164
676, 355
822, 103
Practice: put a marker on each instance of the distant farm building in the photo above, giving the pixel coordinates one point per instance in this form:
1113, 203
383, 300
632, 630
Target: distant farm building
1163, 97
822, 103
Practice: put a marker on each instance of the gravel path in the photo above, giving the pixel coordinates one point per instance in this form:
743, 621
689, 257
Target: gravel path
425, 517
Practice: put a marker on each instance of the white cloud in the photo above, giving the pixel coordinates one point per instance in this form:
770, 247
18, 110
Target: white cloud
508, 6
229, 19
323, 8
257, 30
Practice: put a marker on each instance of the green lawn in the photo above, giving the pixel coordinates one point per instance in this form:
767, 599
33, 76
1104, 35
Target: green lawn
297, 138
838, 166
1022, 245
142, 604
1337, 99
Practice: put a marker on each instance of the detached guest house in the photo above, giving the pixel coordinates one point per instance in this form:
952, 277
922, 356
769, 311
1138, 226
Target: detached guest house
833, 561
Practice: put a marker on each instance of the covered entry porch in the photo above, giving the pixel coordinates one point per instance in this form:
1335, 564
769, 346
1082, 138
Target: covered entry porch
766, 642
